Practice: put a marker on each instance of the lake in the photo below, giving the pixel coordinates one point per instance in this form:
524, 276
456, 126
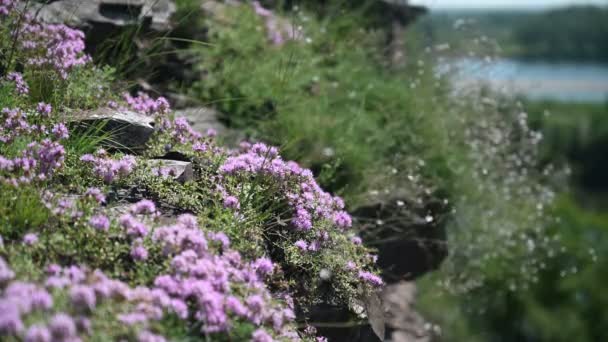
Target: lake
571, 82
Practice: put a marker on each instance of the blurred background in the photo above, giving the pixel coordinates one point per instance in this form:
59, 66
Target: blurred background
553, 57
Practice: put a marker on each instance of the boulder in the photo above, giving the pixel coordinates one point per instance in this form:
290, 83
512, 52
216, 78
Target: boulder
129, 130
153, 14
202, 119
391, 316
180, 170
402, 322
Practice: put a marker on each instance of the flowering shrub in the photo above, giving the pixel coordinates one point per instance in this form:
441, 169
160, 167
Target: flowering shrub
51, 46
20, 84
39, 159
107, 168
142, 103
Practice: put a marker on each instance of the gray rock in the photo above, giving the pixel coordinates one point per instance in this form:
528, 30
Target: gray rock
403, 323
182, 171
152, 13
391, 315
202, 119
129, 130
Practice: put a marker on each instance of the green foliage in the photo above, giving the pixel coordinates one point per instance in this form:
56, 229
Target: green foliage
322, 99
570, 33
567, 292
578, 134
21, 210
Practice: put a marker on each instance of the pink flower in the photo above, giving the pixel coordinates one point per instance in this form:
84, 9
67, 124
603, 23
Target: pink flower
370, 278
301, 244
100, 222
261, 336
44, 109
30, 239
231, 202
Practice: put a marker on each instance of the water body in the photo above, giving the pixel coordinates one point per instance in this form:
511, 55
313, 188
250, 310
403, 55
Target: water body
568, 82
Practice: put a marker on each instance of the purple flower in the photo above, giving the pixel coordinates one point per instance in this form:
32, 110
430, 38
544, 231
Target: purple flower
220, 237
83, 297
100, 222
261, 335
356, 240
370, 278
109, 169
146, 336
20, 84
234, 305
53, 269
256, 305
41, 299
142, 103
84, 325
301, 244
342, 219
188, 220
10, 322
263, 266
60, 131
30, 239
302, 220
314, 246
62, 327
132, 318
37, 333
44, 109
6, 6
143, 207
53, 46
231, 202
139, 252
200, 147
96, 194
180, 308
133, 226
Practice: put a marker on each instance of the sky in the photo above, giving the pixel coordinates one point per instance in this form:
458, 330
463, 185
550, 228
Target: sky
499, 4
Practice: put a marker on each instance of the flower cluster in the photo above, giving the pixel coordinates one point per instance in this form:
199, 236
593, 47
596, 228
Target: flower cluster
20, 85
108, 169
178, 131
64, 207
143, 103
54, 46
6, 6
222, 288
309, 203
22, 302
40, 158
13, 123
37, 162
